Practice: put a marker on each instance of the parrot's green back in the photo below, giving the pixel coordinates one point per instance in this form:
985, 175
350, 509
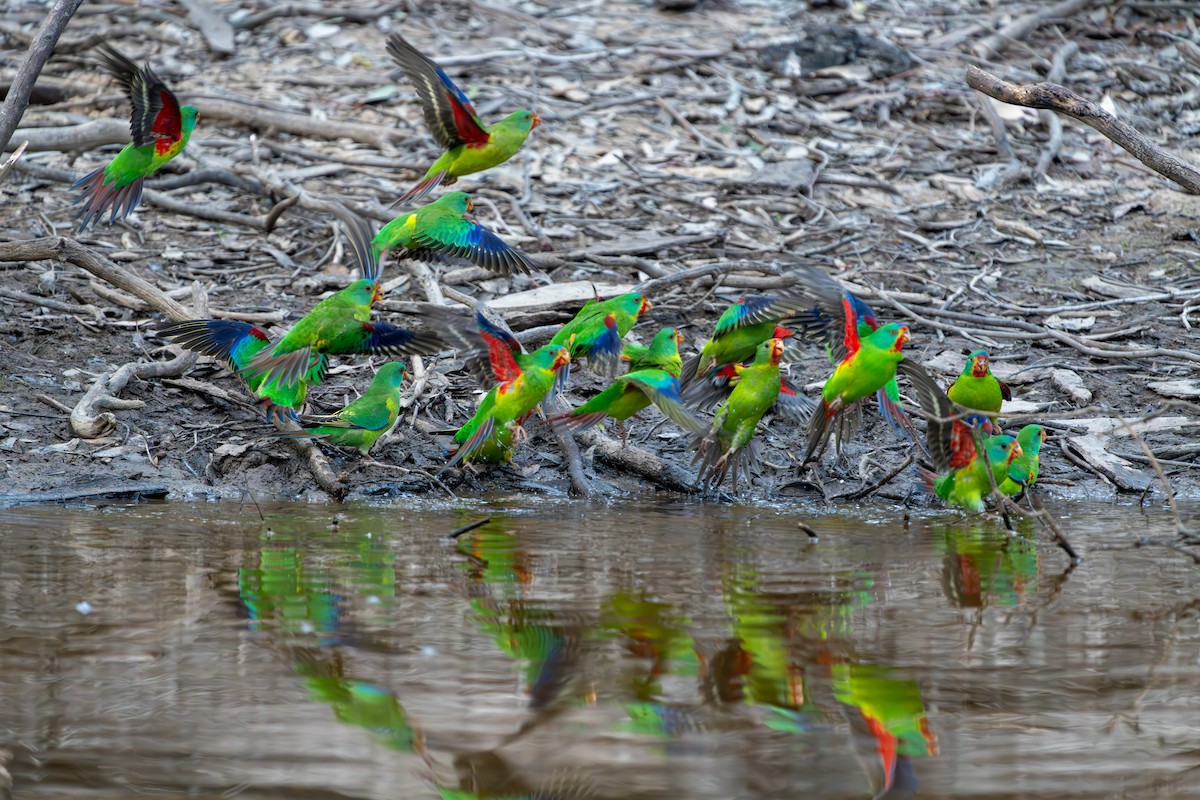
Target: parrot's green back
498, 447
373, 414
134, 163
736, 345
439, 219
334, 324
662, 353
756, 391
504, 140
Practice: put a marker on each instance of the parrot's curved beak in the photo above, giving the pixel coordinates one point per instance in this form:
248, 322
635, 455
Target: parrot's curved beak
645, 306
378, 293
901, 337
470, 205
537, 120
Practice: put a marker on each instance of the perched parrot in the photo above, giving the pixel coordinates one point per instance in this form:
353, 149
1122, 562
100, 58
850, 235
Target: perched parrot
470, 145
825, 323
363, 421
662, 353
961, 467
969, 485
729, 442
629, 394
1023, 471
337, 325
599, 328
161, 129
978, 390
740, 329
439, 228
864, 367
519, 381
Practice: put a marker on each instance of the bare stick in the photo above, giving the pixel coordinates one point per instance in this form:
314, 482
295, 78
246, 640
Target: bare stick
43, 44
1063, 101
7, 166
301, 124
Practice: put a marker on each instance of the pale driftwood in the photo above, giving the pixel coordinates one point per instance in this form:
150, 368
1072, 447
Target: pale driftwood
301, 124
39, 50
1063, 101
7, 166
563, 296
86, 136
60, 248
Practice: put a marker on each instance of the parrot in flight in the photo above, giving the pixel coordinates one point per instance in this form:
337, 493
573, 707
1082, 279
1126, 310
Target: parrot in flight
825, 322
740, 329
439, 228
364, 420
279, 373
470, 146
598, 329
651, 381
977, 390
161, 129
864, 366
728, 444
519, 382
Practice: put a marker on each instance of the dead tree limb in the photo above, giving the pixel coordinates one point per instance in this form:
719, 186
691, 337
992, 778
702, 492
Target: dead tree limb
1059, 99
40, 49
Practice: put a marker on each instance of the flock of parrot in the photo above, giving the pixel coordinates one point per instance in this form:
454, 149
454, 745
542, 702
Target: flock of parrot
738, 370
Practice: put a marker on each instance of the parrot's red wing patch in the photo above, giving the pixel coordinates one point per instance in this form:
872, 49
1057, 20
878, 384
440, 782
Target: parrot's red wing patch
168, 124
504, 366
850, 336
1005, 390
466, 123
962, 445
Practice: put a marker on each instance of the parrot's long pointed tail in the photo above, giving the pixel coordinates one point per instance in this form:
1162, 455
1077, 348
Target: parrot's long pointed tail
818, 431
472, 444
575, 422
421, 189
118, 200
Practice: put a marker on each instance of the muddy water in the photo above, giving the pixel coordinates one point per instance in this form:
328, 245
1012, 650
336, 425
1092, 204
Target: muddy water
566, 650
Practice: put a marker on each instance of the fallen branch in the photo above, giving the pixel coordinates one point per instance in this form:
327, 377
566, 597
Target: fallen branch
638, 462
7, 166
255, 116
1063, 101
39, 50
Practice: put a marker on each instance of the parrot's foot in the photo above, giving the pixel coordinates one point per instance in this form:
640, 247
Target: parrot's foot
519, 433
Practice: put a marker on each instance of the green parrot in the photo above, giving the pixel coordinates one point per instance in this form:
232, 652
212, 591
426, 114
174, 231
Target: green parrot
236, 343
439, 228
978, 390
470, 145
1023, 471
599, 328
525, 380
824, 322
729, 442
968, 486
960, 474
865, 365
740, 330
161, 129
662, 353
518, 381
364, 420
338, 325
629, 394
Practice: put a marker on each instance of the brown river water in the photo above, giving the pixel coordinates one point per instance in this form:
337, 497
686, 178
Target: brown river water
569, 650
